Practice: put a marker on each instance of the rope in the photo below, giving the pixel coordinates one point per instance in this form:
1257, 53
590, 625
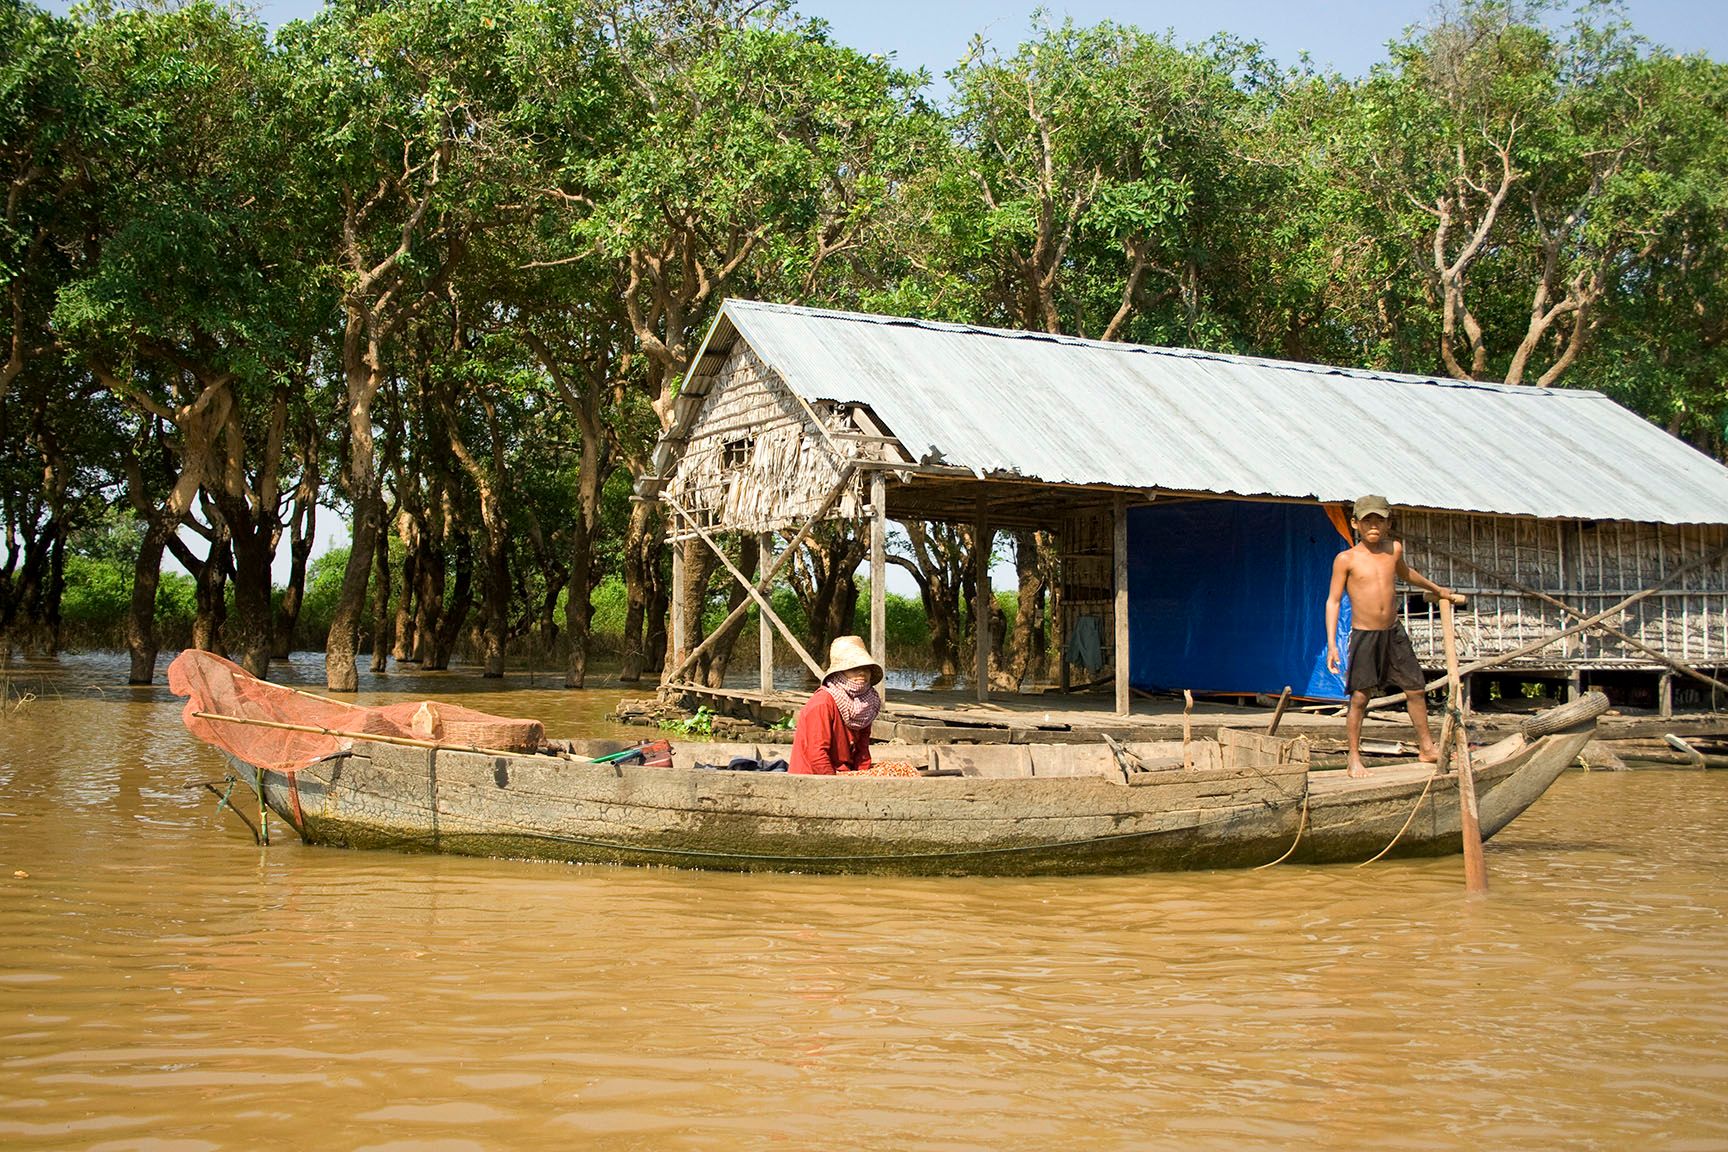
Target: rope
1429, 783
1300, 825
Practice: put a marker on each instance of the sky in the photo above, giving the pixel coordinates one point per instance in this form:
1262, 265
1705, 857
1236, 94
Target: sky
1348, 36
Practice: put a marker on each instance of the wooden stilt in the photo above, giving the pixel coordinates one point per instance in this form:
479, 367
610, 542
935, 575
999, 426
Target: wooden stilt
981, 594
1665, 695
1124, 700
879, 573
765, 630
680, 632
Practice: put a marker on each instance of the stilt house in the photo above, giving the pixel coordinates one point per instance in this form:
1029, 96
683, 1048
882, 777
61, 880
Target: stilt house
1199, 498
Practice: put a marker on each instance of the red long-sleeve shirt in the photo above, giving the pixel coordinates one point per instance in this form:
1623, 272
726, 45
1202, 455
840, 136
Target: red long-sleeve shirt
822, 744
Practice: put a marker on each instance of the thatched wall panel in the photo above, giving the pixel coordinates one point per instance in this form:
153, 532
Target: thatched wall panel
755, 460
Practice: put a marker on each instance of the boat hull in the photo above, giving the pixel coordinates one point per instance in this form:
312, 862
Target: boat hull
551, 808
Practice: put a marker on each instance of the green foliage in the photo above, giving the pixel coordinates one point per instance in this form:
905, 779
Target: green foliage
520, 216
699, 723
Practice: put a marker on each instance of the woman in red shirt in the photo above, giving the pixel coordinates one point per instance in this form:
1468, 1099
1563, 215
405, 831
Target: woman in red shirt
833, 733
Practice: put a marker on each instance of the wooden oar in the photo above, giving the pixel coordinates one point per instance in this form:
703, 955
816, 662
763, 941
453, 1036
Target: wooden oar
1475, 868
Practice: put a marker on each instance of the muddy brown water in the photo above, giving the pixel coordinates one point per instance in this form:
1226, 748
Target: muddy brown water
166, 985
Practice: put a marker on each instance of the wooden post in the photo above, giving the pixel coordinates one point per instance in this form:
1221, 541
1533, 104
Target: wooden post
1124, 701
1665, 695
1574, 686
1278, 712
981, 594
879, 574
1475, 867
1187, 729
764, 629
680, 632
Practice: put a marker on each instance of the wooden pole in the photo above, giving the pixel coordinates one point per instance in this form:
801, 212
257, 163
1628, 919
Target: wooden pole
680, 631
1475, 868
1278, 712
1187, 730
981, 596
1124, 701
765, 630
879, 574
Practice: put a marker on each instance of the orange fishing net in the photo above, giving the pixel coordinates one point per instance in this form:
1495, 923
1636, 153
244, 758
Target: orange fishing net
250, 706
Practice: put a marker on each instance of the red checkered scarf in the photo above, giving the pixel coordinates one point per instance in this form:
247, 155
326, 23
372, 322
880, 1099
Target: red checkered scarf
857, 709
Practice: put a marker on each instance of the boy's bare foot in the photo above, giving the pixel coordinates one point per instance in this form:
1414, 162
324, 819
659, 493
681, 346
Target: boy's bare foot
1429, 755
1359, 769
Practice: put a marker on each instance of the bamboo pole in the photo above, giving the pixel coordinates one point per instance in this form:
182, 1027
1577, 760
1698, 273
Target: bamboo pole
1475, 868
373, 737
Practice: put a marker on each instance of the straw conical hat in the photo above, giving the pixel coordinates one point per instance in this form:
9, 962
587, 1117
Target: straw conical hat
849, 652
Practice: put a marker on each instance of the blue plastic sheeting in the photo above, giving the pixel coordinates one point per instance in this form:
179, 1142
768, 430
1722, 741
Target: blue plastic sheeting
1231, 597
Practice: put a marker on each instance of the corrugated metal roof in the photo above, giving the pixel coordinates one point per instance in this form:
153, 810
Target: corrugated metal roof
1071, 411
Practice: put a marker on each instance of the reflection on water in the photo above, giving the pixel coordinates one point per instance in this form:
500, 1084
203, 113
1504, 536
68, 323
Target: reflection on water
164, 984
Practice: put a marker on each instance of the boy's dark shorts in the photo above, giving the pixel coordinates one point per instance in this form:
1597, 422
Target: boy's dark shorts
1381, 658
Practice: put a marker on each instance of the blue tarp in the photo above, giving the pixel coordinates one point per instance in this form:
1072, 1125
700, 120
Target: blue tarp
1230, 596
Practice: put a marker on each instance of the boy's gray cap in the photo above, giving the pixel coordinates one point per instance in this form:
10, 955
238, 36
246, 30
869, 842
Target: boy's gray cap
1371, 506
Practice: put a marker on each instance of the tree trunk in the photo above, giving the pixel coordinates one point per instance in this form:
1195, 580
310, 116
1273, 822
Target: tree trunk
402, 632
429, 611
381, 620
342, 644
141, 643
699, 565
579, 598
714, 662
209, 592
1028, 617
301, 525
248, 633
456, 614
636, 561
496, 600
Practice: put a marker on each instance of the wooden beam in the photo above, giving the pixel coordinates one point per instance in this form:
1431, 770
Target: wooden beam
1124, 699
981, 596
750, 588
879, 573
766, 580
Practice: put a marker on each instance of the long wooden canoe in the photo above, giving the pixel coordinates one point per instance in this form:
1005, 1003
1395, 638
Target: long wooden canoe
1235, 801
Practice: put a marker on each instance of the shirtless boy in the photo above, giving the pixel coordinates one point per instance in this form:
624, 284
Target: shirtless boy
1380, 652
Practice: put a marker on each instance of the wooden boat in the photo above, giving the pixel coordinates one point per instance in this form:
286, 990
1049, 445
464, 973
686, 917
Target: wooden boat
1238, 800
